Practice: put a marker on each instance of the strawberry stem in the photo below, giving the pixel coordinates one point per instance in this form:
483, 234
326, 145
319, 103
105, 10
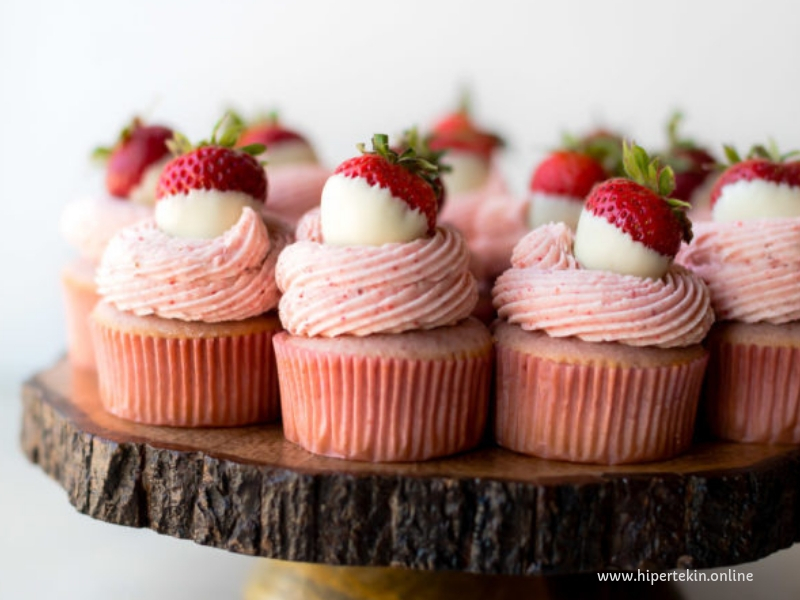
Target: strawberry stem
180, 144
647, 172
415, 157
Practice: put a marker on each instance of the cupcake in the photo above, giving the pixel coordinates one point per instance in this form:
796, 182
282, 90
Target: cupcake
380, 360
479, 203
132, 169
183, 333
598, 347
749, 255
295, 174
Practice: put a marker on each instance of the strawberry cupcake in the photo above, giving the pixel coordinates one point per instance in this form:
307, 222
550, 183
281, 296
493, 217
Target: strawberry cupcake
132, 169
479, 203
749, 255
598, 348
296, 176
183, 334
380, 360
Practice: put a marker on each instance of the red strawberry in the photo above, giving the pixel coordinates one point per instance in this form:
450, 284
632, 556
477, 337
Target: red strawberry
639, 206
567, 173
268, 131
603, 145
408, 176
214, 165
138, 147
457, 131
762, 163
411, 139
692, 165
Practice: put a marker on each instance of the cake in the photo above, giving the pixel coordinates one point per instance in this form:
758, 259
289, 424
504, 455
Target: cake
380, 360
479, 203
88, 223
183, 333
598, 347
749, 255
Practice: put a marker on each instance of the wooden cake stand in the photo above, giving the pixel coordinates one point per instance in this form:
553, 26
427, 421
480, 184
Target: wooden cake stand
489, 512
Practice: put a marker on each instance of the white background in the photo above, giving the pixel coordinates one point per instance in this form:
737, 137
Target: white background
72, 73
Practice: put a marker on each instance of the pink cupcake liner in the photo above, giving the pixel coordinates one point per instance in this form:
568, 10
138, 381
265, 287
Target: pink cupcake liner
594, 412
380, 408
80, 298
217, 381
752, 393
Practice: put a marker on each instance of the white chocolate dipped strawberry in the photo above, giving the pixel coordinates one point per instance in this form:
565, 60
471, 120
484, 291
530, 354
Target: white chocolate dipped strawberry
380, 197
559, 187
764, 186
469, 149
631, 226
136, 160
201, 193
283, 146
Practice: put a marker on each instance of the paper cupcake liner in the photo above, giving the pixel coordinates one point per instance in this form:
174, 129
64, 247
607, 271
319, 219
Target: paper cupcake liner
380, 408
595, 413
80, 298
752, 393
187, 382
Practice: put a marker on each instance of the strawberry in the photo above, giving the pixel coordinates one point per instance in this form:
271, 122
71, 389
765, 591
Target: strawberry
407, 176
567, 173
411, 139
457, 131
267, 131
639, 211
762, 163
692, 164
139, 146
214, 165
604, 145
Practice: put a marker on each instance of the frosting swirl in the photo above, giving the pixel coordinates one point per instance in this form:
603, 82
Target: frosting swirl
360, 290
90, 222
491, 219
294, 189
547, 290
751, 268
227, 278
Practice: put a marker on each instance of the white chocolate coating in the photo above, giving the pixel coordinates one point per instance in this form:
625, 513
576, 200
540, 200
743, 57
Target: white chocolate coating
289, 152
756, 199
354, 213
601, 246
202, 214
145, 191
470, 171
554, 208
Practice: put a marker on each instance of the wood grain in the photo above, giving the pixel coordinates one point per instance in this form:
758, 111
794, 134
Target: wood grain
490, 511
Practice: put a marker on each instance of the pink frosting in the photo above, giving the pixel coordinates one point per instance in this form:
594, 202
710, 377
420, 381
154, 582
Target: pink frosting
227, 278
294, 189
89, 223
360, 290
547, 290
309, 227
491, 219
750, 267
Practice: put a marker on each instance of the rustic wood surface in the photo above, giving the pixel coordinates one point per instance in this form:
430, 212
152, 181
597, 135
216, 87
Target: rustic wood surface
490, 511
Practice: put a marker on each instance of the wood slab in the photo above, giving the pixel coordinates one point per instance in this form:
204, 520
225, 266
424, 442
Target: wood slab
490, 511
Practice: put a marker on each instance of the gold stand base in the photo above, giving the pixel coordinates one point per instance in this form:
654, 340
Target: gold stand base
281, 580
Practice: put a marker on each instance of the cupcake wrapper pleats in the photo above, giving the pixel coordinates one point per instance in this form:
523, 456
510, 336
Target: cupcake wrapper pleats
381, 408
595, 413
